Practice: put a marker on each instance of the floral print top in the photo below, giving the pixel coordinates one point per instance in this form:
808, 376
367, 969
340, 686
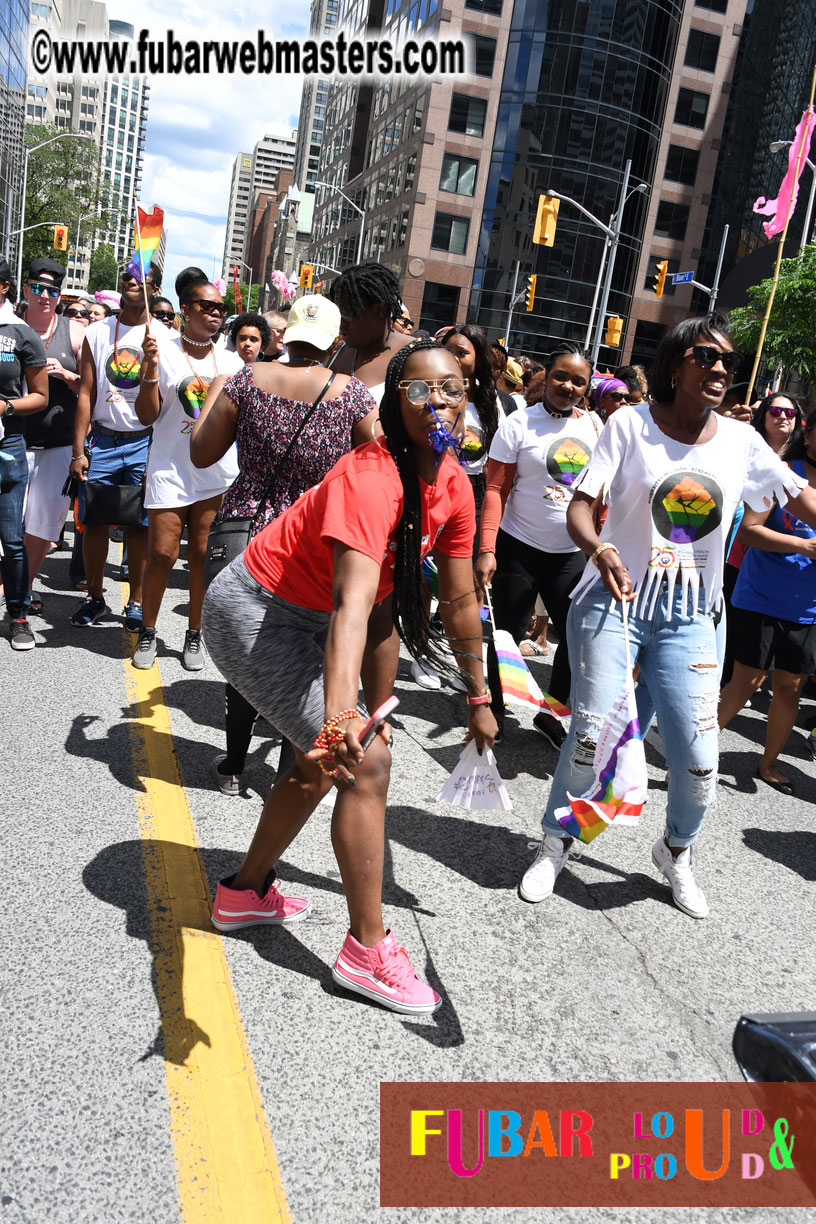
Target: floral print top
266, 425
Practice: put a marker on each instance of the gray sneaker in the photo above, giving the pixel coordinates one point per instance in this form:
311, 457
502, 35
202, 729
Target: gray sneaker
144, 656
228, 784
192, 657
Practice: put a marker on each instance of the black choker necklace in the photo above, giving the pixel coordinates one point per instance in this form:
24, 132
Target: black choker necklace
197, 343
560, 416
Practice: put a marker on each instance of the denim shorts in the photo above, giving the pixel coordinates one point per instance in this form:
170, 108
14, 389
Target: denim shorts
115, 461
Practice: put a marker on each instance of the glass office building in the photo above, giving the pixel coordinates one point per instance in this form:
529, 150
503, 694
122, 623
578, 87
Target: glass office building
584, 90
13, 55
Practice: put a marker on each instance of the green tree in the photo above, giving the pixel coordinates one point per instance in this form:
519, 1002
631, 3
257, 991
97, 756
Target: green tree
62, 186
790, 340
229, 297
104, 272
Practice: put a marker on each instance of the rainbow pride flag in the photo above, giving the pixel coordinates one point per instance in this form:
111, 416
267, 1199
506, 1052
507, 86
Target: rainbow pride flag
147, 232
619, 790
517, 684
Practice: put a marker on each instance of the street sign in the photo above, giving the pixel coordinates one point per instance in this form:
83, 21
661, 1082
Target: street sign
682, 278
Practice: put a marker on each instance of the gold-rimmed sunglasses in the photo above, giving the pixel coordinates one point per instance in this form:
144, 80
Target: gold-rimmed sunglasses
418, 390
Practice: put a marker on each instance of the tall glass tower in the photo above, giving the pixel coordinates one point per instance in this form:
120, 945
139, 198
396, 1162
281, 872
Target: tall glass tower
14, 22
584, 90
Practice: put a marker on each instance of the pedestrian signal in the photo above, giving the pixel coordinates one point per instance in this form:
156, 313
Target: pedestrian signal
60, 238
546, 220
306, 276
660, 276
531, 284
614, 331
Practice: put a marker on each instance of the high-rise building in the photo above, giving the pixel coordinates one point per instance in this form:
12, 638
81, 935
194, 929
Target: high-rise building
312, 121
409, 154
112, 110
14, 23
690, 146
252, 173
237, 213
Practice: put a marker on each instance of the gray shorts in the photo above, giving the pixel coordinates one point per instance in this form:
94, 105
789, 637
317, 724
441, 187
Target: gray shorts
270, 650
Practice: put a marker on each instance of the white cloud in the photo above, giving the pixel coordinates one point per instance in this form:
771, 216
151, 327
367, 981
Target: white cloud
197, 124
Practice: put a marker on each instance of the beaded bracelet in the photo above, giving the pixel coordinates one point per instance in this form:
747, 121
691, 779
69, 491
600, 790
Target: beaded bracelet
330, 734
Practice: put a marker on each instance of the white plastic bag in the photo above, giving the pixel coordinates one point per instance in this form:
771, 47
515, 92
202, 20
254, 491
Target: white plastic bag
476, 783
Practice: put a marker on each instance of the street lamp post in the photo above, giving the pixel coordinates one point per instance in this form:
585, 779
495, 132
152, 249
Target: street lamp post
776, 146
76, 245
28, 152
361, 211
612, 233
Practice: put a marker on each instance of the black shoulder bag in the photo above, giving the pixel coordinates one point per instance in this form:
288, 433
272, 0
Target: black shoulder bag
228, 539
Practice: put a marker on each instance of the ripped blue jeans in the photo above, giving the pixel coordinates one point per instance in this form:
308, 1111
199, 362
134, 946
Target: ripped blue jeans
679, 664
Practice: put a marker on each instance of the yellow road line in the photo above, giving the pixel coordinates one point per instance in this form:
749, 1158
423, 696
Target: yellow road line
225, 1158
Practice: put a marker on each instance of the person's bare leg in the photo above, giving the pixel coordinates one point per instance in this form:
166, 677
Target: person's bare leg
36, 551
784, 707
94, 555
199, 520
137, 557
740, 688
358, 838
358, 834
163, 537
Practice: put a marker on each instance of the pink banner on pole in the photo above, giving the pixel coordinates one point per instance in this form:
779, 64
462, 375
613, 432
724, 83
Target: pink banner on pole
781, 209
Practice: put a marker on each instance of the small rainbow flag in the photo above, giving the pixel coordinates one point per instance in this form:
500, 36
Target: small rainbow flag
619, 790
147, 236
517, 684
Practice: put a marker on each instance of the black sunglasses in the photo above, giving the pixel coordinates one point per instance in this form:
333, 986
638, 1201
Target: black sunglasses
166, 316
706, 356
38, 288
219, 308
777, 410
77, 314
618, 396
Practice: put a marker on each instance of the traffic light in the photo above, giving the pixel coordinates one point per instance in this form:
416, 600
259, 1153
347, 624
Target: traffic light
531, 284
306, 276
60, 238
660, 276
546, 220
614, 331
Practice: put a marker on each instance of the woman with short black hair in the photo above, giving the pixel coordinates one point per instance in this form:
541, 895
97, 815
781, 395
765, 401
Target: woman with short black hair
672, 472
249, 335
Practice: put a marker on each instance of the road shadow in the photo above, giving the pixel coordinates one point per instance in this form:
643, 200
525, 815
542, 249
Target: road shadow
117, 876
794, 850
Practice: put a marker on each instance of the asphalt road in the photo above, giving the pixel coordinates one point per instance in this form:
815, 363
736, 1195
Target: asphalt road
606, 981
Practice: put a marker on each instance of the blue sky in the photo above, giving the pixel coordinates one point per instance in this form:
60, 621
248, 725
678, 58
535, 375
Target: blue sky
196, 125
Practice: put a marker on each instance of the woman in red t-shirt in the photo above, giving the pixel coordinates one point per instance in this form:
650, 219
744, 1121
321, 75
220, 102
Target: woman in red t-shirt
322, 597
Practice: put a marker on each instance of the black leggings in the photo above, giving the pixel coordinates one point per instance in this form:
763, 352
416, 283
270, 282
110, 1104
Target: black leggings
522, 572
240, 719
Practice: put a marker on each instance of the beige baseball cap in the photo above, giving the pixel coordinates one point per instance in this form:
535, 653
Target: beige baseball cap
313, 319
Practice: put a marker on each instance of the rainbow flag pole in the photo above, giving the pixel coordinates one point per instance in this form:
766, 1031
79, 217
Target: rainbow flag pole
140, 251
148, 231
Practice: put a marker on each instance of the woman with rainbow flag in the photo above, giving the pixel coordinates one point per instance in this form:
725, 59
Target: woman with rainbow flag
672, 473
176, 377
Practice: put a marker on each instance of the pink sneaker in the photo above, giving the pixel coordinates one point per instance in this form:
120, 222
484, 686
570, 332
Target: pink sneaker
242, 907
385, 974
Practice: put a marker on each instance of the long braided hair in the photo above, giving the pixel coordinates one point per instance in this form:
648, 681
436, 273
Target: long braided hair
365, 285
410, 614
483, 384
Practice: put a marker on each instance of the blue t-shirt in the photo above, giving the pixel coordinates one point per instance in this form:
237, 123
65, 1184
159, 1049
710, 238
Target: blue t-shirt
780, 585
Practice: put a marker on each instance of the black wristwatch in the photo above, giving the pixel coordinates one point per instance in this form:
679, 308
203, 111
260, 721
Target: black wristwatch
9, 409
